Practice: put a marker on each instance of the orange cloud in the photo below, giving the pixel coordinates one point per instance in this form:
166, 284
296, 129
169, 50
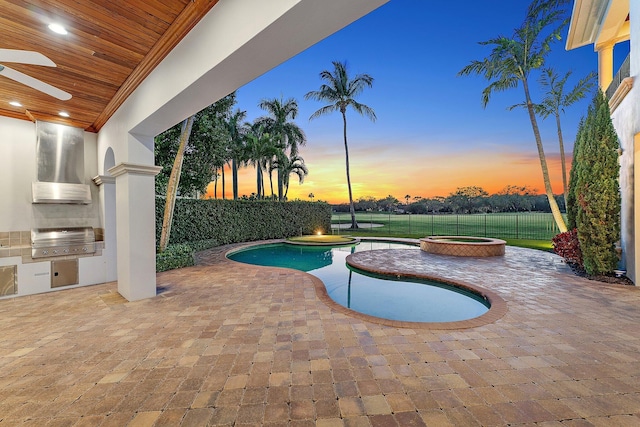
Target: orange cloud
378, 170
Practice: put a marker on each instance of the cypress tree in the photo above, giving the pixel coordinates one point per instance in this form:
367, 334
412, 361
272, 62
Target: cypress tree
572, 207
597, 191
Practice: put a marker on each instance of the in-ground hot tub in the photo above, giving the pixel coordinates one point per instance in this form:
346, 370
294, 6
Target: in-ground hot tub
463, 246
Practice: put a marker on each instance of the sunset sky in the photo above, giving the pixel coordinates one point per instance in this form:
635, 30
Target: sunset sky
432, 134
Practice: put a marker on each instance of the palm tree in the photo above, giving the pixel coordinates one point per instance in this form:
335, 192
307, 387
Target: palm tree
510, 64
287, 135
260, 149
311, 196
340, 92
218, 165
236, 145
288, 165
556, 100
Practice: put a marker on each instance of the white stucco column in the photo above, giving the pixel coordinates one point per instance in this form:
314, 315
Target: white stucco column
632, 267
135, 216
605, 65
107, 186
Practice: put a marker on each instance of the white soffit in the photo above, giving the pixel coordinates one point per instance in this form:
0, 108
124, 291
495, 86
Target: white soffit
235, 43
613, 28
586, 21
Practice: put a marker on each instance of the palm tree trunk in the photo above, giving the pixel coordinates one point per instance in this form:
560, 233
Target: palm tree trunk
354, 224
234, 176
172, 185
258, 181
271, 183
557, 216
223, 184
215, 186
279, 185
285, 184
565, 187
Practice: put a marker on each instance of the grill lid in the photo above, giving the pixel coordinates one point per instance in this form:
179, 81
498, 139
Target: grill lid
52, 242
49, 237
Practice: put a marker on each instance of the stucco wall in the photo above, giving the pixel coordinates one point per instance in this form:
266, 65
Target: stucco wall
626, 120
18, 171
17, 213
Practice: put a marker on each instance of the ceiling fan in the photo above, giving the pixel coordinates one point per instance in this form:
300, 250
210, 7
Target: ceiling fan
31, 58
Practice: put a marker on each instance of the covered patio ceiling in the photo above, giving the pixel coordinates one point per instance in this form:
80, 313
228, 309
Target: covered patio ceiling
110, 48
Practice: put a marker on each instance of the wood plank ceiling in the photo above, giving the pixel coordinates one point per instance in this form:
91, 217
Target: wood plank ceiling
111, 46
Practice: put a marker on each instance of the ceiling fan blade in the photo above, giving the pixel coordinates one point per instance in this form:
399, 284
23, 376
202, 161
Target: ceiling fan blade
34, 83
25, 57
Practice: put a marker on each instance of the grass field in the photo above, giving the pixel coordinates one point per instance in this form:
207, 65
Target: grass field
522, 229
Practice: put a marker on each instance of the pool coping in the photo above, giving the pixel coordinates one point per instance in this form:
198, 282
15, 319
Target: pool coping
497, 309
498, 306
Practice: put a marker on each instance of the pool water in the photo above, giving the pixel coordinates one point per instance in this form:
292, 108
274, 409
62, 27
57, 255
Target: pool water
379, 296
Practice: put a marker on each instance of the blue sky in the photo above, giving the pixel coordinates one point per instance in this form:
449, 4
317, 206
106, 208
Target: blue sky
432, 133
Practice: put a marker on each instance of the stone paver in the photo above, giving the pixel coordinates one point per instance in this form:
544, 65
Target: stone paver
225, 343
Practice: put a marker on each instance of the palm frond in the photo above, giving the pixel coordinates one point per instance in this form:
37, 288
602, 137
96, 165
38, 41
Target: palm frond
580, 90
339, 91
506, 83
325, 110
355, 86
475, 67
521, 105
363, 110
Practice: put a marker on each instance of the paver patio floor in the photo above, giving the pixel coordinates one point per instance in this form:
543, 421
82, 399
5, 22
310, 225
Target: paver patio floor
229, 344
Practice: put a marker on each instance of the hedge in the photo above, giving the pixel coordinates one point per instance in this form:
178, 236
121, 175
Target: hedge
175, 256
233, 221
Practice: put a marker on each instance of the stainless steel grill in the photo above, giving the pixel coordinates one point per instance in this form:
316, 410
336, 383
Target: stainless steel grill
51, 242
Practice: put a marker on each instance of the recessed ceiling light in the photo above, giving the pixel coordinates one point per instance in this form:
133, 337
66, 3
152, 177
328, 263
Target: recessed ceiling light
63, 114
57, 28
15, 104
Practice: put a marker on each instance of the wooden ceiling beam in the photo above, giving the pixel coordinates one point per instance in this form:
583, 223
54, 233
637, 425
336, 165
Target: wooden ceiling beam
46, 117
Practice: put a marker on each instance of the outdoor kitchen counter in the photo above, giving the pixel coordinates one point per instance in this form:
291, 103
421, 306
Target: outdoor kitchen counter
15, 243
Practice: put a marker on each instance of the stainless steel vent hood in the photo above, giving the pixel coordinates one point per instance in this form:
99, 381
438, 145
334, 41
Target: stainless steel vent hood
60, 165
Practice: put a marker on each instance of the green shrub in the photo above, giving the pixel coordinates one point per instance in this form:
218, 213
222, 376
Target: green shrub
175, 256
233, 221
181, 255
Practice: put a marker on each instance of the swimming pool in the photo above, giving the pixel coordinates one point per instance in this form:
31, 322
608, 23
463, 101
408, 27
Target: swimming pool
379, 296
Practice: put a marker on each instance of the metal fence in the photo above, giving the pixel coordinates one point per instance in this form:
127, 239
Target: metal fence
536, 226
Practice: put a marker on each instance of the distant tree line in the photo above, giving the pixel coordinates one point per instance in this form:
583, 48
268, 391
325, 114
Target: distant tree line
465, 200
